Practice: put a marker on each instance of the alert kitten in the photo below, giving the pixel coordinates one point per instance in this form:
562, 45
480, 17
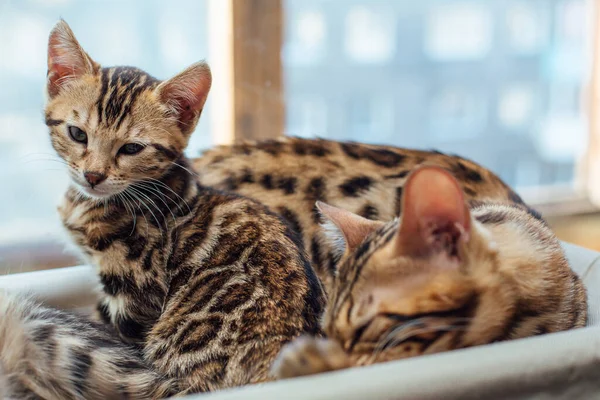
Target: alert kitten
204, 286
447, 274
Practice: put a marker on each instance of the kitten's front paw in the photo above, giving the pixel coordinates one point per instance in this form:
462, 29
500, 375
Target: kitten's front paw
307, 355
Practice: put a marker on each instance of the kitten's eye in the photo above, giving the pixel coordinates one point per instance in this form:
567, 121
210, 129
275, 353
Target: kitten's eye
131, 148
77, 134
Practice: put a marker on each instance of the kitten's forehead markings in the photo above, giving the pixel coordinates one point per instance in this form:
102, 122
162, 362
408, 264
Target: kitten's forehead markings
359, 259
119, 90
103, 89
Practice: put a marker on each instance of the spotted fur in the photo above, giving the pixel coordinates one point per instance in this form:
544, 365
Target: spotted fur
290, 174
200, 288
447, 274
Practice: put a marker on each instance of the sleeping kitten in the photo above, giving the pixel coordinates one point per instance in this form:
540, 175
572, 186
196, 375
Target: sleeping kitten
290, 174
204, 286
446, 275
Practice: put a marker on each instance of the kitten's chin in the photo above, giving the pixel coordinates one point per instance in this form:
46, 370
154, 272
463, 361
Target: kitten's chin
96, 194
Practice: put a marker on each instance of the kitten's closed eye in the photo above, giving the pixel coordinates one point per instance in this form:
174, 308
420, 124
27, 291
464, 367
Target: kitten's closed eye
131, 149
385, 332
377, 327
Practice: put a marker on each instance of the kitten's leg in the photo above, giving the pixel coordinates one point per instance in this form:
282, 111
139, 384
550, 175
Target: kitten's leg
51, 354
307, 355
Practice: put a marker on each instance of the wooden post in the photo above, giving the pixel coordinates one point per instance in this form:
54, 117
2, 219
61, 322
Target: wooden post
245, 54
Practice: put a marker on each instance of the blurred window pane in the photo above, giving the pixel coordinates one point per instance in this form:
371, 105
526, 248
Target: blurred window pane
516, 105
309, 118
457, 113
369, 34
498, 81
458, 30
306, 37
527, 26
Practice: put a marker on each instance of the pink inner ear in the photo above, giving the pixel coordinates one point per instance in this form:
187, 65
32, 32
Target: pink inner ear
66, 58
187, 93
60, 65
187, 101
353, 227
434, 212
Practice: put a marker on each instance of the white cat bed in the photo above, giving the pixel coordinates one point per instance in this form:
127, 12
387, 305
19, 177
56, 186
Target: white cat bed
554, 366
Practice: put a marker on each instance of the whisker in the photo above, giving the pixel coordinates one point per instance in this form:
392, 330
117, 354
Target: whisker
135, 199
157, 192
144, 195
408, 335
164, 185
383, 342
133, 216
45, 160
184, 168
395, 336
156, 188
139, 193
52, 155
150, 186
54, 169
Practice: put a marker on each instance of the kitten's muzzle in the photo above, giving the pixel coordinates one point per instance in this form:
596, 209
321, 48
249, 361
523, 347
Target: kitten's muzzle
94, 178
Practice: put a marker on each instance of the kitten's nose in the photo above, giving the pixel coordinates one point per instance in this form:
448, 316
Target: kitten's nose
94, 178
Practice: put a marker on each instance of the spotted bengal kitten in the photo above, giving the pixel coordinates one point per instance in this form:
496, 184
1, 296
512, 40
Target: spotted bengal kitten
200, 288
290, 174
447, 274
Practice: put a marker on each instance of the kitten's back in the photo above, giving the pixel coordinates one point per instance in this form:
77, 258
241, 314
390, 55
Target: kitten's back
290, 174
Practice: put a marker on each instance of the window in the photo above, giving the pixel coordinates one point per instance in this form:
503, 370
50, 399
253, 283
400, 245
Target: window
307, 36
456, 31
456, 113
369, 34
516, 104
500, 81
309, 118
368, 116
527, 27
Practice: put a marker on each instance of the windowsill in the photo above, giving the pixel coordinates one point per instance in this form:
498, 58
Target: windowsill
575, 206
34, 256
583, 228
559, 200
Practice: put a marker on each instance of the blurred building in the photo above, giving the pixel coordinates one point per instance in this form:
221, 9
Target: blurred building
498, 81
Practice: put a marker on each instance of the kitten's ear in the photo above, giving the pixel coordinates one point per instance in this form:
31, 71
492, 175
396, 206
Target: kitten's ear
66, 59
186, 93
435, 217
345, 230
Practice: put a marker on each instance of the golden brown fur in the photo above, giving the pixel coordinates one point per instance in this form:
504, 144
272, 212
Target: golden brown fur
200, 288
290, 174
446, 275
